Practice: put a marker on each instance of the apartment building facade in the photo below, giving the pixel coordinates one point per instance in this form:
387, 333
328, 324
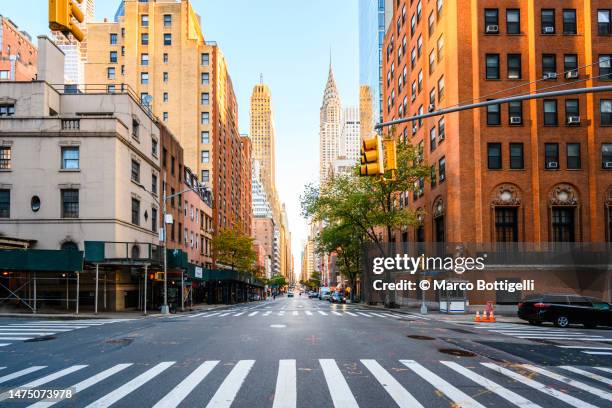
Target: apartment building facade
17, 53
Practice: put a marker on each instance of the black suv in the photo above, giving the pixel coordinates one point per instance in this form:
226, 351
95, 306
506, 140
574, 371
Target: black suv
562, 310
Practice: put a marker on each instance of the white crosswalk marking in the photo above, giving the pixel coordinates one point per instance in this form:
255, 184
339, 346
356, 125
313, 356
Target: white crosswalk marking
4, 344
238, 314
295, 312
44, 380
399, 394
308, 312
459, 397
178, 393
281, 313
491, 386
573, 383
606, 369
196, 315
598, 353
336, 313
83, 385
350, 313
267, 313
20, 373
341, 394
568, 399
16, 338
31, 329
226, 393
114, 396
224, 314
322, 312
588, 374
286, 385
253, 314
363, 314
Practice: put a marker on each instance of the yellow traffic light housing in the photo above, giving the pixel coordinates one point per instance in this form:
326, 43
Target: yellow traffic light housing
372, 163
159, 276
62, 17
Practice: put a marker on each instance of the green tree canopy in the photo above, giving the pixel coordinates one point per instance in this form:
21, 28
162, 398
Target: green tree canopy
234, 249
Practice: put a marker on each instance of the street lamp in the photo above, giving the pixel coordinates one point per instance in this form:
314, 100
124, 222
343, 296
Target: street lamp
165, 309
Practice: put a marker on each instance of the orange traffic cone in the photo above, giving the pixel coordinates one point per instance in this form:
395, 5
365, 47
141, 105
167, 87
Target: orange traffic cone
485, 317
477, 318
492, 317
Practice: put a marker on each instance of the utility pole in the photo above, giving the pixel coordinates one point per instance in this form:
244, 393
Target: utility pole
164, 308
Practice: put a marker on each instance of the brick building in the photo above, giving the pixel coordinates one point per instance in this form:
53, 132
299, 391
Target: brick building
17, 53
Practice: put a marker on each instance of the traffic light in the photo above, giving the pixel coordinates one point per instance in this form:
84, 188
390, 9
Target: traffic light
62, 17
159, 276
390, 154
372, 157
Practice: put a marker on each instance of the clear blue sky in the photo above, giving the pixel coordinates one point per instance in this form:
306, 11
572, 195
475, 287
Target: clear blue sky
289, 42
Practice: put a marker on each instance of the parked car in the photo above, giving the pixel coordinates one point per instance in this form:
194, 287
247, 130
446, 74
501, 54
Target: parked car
563, 310
290, 294
337, 297
312, 295
324, 293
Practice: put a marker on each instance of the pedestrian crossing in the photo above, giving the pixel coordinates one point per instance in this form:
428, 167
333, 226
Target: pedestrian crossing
540, 333
297, 313
31, 330
404, 383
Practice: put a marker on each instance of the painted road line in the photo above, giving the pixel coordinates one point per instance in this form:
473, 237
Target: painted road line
563, 338
239, 314
5, 344
83, 385
295, 313
598, 353
21, 329
39, 327
339, 390
459, 398
580, 385
308, 312
20, 333
588, 374
350, 313
285, 395
224, 314
377, 315
44, 380
226, 393
281, 313
363, 314
267, 313
252, 314
568, 399
15, 338
606, 369
180, 392
399, 394
114, 396
586, 347
322, 312
418, 317
196, 315
336, 313
20, 373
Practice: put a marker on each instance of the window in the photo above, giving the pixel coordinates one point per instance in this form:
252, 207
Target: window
165, 58
113, 38
515, 113
419, 10
165, 77
205, 156
605, 110
516, 156
144, 39
551, 153
135, 171
604, 26
562, 224
113, 57
70, 203
430, 23
441, 129
144, 20
154, 219
4, 74
154, 183
514, 66
420, 46
7, 110
167, 39
123, 70
549, 66
165, 97
432, 61
506, 224
605, 67
420, 80
5, 158
70, 158
432, 139
110, 73
167, 20
440, 47
205, 78
144, 78
491, 18
144, 98
573, 156
165, 116
494, 115
572, 111
548, 21
205, 118
144, 59
205, 98
413, 58
135, 211
154, 147
492, 66
439, 5
569, 21
205, 59
432, 176
570, 63
205, 176
513, 21
440, 88
110, 89
442, 169
494, 156
5, 203
123, 51
550, 112
606, 156
205, 137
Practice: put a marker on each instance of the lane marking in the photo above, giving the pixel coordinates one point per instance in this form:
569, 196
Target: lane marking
308, 312
267, 313
281, 313
184, 388
558, 377
238, 314
20, 373
341, 394
336, 313
399, 394
363, 314
20, 333
606, 369
15, 338
226, 393
295, 312
350, 313
224, 314
322, 312
44, 380
285, 395
253, 314
587, 374
598, 353
586, 347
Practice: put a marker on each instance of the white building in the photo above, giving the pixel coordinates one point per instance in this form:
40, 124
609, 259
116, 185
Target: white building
350, 139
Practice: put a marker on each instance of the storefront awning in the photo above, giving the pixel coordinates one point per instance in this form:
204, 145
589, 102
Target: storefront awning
41, 260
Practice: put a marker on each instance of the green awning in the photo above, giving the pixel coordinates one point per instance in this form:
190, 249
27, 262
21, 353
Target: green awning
41, 260
223, 275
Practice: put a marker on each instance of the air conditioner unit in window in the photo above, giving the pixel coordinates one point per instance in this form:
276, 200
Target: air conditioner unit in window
549, 29
573, 120
515, 120
492, 29
550, 75
431, 108
571, 74
608, 165
553, 165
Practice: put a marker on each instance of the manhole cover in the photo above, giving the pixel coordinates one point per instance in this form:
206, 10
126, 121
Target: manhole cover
41, 338
120, 341
419, 337
457, 352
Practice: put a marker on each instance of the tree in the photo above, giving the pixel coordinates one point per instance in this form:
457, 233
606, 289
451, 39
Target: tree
277, 280
235, 250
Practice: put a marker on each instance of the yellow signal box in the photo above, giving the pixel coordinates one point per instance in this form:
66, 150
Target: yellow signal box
62, 14
372, 163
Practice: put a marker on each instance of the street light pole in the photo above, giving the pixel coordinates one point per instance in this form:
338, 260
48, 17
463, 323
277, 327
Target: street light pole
165, 309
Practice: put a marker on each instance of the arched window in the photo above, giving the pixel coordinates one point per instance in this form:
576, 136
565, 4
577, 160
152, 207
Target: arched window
563, 213
70, 246
438, 220
505, 203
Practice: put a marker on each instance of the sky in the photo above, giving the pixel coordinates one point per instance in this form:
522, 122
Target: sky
289, 43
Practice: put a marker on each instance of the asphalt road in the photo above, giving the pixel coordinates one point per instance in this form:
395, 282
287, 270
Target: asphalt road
299, 352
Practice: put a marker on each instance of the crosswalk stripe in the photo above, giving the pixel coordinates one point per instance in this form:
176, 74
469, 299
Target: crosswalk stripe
322, 312
196, 315
224, 314
20, 373
598, 353
459, 398
336, 313
308, 312
376, 314
392, 315
253, 313
286, 385
399, 394
586, 347
350, 313
281, 313
295, 312
580, 385
15, 338
267, 313
568, 399
114, 396
563, 338
40, 326
540, 332
587, 374
44, 380
20, 333
226, 393
27, 330
418, 317
363, 314
5, 344
606, 369
341, 394
491, 386
83, 385
238, 314
180, 392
